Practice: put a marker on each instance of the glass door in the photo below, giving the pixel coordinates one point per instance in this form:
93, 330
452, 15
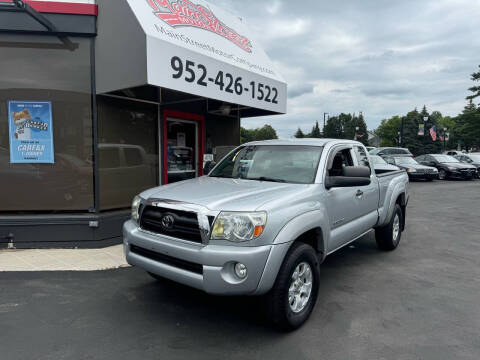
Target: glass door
182, 150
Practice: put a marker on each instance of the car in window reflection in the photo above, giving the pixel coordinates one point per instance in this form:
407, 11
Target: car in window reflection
125, 169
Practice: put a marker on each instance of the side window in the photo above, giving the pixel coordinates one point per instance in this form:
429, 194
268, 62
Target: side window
109, 158
133, 157
340, 159
362, 156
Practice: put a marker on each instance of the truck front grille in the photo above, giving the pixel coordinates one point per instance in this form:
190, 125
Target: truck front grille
184, 225
167, 260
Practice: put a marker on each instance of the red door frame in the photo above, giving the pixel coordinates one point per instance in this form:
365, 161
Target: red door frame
180, 115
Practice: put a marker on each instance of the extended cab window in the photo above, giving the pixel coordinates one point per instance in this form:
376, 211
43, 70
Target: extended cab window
362, 156
278, 163
338, 161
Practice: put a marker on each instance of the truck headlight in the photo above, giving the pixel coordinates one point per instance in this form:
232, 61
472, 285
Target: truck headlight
238, 226
137, 201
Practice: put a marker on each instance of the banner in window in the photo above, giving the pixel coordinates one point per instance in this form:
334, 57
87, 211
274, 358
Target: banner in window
31, 133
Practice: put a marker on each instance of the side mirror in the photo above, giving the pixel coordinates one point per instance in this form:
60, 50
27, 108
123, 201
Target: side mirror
352, 176
209, 165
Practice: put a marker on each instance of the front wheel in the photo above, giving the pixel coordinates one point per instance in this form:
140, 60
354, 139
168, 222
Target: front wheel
442, 174
388, 236
294, 294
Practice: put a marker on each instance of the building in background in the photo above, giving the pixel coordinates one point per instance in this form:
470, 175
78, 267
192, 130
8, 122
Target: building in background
101, 100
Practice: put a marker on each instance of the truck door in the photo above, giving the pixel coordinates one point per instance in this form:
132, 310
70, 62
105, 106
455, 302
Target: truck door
348, 215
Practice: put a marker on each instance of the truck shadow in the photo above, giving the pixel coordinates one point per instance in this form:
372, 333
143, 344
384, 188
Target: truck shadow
170, 303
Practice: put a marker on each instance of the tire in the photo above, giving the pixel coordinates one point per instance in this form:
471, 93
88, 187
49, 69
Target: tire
388, 236
442, 175
285, 303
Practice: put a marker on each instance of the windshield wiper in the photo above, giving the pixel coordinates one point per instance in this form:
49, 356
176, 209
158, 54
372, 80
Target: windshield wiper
264, 178
223, 176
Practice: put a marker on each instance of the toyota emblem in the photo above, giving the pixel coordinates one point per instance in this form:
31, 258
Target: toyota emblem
168, 221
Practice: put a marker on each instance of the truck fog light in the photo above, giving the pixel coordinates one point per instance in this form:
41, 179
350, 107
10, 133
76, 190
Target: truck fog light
240, 270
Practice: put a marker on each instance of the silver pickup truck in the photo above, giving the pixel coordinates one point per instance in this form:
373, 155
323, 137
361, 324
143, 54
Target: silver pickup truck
264, 219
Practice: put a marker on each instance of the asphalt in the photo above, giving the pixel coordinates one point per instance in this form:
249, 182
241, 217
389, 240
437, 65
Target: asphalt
421, 301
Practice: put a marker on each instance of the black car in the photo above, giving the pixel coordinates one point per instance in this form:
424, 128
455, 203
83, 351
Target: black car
413, 168
448, 167
391, 151
472, 159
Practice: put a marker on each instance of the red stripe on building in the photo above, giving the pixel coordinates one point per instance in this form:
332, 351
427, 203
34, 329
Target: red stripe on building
61, 7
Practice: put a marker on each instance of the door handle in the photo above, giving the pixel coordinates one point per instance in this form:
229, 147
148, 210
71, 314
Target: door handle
359, 193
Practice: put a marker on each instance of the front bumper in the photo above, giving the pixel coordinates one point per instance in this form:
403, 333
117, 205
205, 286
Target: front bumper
423, 176
212, 264
462, 174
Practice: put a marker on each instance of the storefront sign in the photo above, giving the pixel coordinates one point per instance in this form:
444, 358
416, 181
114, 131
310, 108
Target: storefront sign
197, 48
31, 134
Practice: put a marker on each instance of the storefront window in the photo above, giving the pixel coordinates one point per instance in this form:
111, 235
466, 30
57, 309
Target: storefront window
46, 74
128, 150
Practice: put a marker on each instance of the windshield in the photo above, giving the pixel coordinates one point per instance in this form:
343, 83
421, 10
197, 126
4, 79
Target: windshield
377, 160
405, 160
445, 159
278, 163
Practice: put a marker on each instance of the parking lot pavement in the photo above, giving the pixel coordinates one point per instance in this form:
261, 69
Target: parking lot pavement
421, 301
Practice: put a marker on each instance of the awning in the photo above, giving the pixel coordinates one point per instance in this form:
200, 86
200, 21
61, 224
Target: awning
192, 47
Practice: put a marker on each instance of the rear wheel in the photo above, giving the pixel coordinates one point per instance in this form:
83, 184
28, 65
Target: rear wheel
388, 236
294, 294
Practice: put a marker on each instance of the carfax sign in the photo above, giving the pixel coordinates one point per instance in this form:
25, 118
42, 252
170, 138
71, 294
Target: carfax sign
31, 134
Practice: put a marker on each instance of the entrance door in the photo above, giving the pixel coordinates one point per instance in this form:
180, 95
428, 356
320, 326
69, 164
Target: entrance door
183, 148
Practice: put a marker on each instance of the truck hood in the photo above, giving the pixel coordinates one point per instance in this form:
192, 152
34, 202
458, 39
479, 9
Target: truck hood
225, 194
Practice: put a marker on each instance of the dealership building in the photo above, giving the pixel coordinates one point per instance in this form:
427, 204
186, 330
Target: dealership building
100, 100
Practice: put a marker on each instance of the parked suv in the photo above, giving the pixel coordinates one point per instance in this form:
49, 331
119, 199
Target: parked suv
391, 151
448, 166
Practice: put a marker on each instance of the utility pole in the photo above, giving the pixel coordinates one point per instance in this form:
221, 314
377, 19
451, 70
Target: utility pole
400, 135
324, 122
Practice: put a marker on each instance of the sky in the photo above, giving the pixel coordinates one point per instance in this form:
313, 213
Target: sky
380, 57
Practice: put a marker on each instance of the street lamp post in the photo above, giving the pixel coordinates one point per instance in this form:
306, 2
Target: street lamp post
425, 119
324, 122
444, 139
399, 138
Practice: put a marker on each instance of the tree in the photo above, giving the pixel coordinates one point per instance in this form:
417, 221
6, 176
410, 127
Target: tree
316, 133
334, 128
474, 89
388, 131
468, 126
299, 134
266, 132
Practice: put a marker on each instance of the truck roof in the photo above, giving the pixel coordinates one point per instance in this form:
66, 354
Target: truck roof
304, 141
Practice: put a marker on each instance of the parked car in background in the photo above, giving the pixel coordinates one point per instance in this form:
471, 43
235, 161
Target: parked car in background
391, 151
472, 159
448, 167
381, 166
413, 168
453, 152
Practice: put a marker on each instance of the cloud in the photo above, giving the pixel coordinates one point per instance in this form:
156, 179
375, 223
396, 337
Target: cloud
382, 58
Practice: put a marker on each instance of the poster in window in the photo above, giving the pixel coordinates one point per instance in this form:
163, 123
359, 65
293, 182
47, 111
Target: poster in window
31, 133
